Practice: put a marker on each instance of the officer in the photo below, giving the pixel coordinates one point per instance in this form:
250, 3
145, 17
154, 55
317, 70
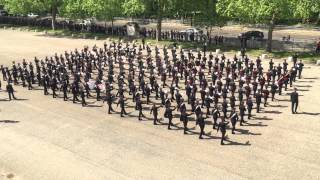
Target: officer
222, 127
10, 91
154, 111
233, 119
294, 101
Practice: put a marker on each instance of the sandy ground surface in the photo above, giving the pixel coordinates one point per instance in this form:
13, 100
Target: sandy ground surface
45, 138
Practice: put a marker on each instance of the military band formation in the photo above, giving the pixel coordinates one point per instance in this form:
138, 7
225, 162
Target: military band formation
200, 85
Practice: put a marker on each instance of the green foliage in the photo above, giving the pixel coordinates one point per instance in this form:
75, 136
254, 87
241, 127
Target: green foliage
306, 9
133, 8
74, 9
103, 9
255, 11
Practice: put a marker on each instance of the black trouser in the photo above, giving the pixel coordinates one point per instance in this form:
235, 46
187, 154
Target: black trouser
223, 134
123, 111
294, 106
249, 113
265, 102
224, 113
258, 107
110, 108
155, 119
201, 130
185, 124
83, 101
233, 128
75, 98
54, 93
65, 97
170, 122
300, 74
241, 119
140, 114
11, 94
272, 96
215, 122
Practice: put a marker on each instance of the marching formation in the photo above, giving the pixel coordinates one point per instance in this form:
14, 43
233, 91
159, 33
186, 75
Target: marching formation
211, 87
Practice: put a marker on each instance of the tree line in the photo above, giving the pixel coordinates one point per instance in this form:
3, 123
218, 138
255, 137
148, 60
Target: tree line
207, 13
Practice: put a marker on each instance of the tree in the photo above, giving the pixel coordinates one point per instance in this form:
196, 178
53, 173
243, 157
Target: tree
257, 11
152, 8
34, 6
306, 9
104, 9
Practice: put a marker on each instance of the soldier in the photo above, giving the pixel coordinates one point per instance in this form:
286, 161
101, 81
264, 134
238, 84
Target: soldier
201, 122
294, 101
154, 111
109, 99
265, 95
242, 109
45, 85
258, 100
249, 107
233, 119
215, 115
65, 89
98, 91
168, 114
222, 127
139, 107
74, 91
300, 67
184, 117
83, 100
274, 88
224, 108
122, 106
54, 87
10, 91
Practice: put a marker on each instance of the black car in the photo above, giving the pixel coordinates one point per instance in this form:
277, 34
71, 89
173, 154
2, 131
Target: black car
3, 13
257, 35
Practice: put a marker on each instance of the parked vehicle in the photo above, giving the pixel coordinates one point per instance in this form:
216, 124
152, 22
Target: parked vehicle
192, 30
3, 13
257, 35
31, 15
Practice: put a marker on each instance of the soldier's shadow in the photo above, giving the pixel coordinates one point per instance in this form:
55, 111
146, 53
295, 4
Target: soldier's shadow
8, 121
262, 118
308, 113
233, 143
255, 125
247, 132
